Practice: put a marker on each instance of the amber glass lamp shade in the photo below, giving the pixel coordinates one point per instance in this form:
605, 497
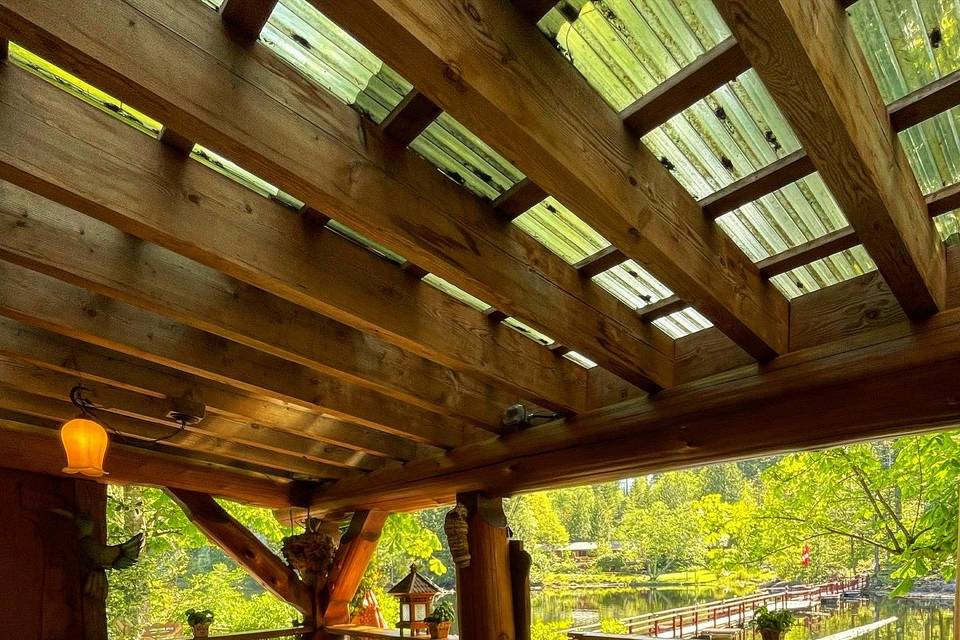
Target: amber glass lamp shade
85, 442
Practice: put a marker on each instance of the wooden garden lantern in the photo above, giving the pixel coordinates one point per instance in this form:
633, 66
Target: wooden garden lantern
415, 594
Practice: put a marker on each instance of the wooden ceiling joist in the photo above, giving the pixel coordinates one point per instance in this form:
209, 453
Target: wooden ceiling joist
334, 160
409, 118
245, 19
516, 200
47, 237
662, 308
176, 141
826, 245
924, 103
113, 177
39, 300
538, 112
842, 392
30, 448
595, 264
709, 72
92, 363
57, 385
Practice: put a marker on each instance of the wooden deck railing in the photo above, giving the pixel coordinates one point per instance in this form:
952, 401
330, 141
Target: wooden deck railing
731, 612
263, 634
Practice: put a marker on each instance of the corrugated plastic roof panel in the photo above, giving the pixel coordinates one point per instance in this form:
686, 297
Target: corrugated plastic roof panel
908, 45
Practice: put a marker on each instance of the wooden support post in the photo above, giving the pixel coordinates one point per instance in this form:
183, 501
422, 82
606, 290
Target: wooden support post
244, 547
42, 596
520, 585
484, 592
4, 49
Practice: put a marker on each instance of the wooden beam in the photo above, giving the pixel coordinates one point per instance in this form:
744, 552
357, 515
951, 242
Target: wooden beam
244, 548
866, 387
356, 548
409, 118
774, 176
534, 10
333, 462
30, 448
808, 58
175, 141
935, 98
944, 201
4, 48
538, 111
245, 19
44, 236
600, 261
662, 308
39, 300
708, 72
802, 254
515, 201
441, 228
92, 363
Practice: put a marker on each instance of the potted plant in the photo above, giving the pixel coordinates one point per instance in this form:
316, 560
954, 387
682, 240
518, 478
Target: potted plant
200, 621
772, 624
439, 621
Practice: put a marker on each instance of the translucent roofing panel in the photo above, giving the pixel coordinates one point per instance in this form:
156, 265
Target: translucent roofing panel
528, 331
580, 359
329, 56
908, 45
465, 158
682, 323
561, 231
823, 273
455, 292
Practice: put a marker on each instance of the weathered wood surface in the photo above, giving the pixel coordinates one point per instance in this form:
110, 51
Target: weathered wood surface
245, 18
539, 112
244, 548
520, 589
353, 556
28, 447
334, 160
808, 57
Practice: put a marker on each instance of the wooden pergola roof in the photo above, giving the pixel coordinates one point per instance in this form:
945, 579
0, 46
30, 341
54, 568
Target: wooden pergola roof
765, 270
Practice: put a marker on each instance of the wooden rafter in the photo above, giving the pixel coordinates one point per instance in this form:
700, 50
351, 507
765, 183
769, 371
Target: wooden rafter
89, 362
244, 548
47, 237
356, 548
176, 141
409, 118
808, 57
859, 386
245, 19
39, 300
442, 228
662, 308
538, 112
709, 72
515, 201
30, 448
310, 266
826, 245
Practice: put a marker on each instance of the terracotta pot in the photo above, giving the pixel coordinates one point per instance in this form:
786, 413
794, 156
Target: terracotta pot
771, 634
201, 630
439, 630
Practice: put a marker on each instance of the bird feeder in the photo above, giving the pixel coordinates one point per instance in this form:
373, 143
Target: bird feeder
415, 594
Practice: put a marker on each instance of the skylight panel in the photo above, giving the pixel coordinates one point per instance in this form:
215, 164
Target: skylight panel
557, 228
823, 273
528, 331
682, 323
455, 292
580, 359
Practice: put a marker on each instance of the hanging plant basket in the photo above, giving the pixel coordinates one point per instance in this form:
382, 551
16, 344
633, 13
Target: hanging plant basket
310, 552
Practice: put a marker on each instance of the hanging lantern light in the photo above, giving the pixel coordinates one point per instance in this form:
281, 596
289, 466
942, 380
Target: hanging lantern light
84, 439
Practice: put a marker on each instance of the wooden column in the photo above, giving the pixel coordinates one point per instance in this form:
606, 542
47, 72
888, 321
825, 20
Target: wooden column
353, 556
41, 593
484, 591
520, 582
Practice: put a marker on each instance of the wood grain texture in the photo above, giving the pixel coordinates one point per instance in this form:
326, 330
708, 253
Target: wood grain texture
708, 72
89, 362
244, 548
409, 118
273, 121
39, 300
860, 385
29, 447
245, 19
808, 57
356, 548
47, 237
494, 72
174, 204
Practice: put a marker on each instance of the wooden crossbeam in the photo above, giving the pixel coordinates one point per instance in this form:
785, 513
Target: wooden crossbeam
442, 228
356, 548
600, 261
538, 111
709, 72
27, 447
245, 18
42, 301
88, 362
409, 118
244, 548
944, 200
774, 176
332, 461
662, 308
516, 200
926, 102
534, 10
867, 387
808, 252
309, 266
175, 141
47, 237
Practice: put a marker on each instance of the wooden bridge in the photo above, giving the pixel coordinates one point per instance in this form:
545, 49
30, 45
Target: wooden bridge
720, 618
